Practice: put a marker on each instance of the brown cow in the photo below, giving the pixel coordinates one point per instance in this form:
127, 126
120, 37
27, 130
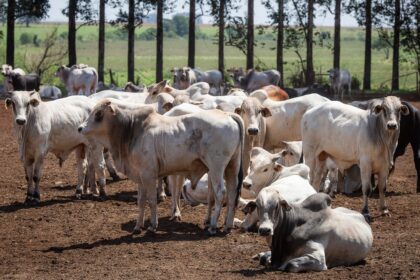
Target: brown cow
276, 93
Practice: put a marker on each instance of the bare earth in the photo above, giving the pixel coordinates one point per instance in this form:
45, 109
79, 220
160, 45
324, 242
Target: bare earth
65, 238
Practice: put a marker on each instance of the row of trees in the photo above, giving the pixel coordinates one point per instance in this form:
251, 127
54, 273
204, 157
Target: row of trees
397, 21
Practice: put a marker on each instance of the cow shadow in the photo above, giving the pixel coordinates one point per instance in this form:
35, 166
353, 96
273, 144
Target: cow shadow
375, 194
249, 272
16, 206
123, 196
167, 231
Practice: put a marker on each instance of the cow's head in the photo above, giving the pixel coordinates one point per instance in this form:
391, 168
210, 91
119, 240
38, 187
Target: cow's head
263, 169
97, 124
251, 112
6, 69
333, 74
22, 103
60, 71
236, 74
389, 111
155, 89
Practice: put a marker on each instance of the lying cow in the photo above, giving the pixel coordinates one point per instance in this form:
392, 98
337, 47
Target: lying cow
43, 127
312, 236
254, 80
78, 79
191, 93
348, 136
340, 81
50, 92
146, 146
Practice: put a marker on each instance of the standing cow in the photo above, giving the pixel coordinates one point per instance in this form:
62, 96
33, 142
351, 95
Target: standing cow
348, 135
78, 79
340, 81
6, 70
146, 146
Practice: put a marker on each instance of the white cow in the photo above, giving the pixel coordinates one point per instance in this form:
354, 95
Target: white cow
50, 92
269, 124
340, 81
146, 146
43, 127
349, 135
312, 236
78, 79
195, 90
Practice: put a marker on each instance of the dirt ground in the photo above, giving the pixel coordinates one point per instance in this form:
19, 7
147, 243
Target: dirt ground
65, 238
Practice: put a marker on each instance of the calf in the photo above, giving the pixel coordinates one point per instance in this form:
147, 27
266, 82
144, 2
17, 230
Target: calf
146, 146
348, 135
78, 79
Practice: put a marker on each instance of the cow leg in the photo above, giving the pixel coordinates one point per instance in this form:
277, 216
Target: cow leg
97, 158
318, 174
36, 196
110, 166
383, 209
81, 171
29, 173
210, 203
313, 260
152, 199
141, 201
365, 174
232, 181
416, 153
176, 183
161, 190
219, 191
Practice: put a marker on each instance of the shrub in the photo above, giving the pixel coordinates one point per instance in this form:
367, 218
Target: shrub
149, 34
25, 38
355, 83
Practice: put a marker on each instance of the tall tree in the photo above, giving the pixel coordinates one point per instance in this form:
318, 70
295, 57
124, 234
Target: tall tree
221, 35
280, 40
101, 41
396, 47
310, 74
410, 30
72, 32
191, 35
337, 29
131, 28
250, 36
159, 41
10, 52
368, 46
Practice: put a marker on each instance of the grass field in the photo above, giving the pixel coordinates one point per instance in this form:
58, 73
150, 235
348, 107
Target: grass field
175, 54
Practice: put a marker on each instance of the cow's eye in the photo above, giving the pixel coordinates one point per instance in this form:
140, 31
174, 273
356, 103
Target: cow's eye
265, 170
99, 116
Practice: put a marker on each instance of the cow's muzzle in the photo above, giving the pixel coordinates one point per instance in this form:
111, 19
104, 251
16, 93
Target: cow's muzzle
246, 185
20, 121
264, 231
392, 125
253, 131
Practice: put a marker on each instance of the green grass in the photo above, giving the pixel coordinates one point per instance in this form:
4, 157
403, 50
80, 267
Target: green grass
175, 54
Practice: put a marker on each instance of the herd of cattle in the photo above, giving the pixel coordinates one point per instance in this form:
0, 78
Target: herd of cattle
255, 148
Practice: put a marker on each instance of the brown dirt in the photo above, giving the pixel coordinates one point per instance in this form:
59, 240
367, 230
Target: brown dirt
66, 238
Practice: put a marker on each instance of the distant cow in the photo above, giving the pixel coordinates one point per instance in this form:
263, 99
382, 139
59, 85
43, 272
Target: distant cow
186, 76
253, 80
348, 135
146, 146
6, 70
340, 81
312, 236
24, 82
51, 92
275, 93
78, 79
213, 77
183, 77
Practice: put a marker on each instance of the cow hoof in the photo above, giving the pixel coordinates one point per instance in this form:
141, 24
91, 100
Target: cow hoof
136, 231
176, 218
151, 229
211, 231
115, 177
78, 194
102, 194
28, 199
385, 212
161, 197
227, 230
36, 198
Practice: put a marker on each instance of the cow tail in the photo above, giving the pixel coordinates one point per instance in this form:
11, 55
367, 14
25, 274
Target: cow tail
95, 85
240, 123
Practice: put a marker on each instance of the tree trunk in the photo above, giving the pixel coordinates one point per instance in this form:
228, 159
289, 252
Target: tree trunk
72, 32
159, 41
250, 42
337, 29
280, 33
368, 46
191, 36
101, 40
310, 75
396, 55
222, 37
131, 29
10, 53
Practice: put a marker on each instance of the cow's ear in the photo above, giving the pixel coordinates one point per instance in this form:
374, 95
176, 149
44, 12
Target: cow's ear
404, 110
167, 106
238, 110
284, 204
32, 93
250, 207
34, 102
8, 103
110, 107
277, 166
377, 109
265, 112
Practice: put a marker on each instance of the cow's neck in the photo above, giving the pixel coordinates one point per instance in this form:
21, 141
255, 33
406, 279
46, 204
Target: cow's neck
383, 138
